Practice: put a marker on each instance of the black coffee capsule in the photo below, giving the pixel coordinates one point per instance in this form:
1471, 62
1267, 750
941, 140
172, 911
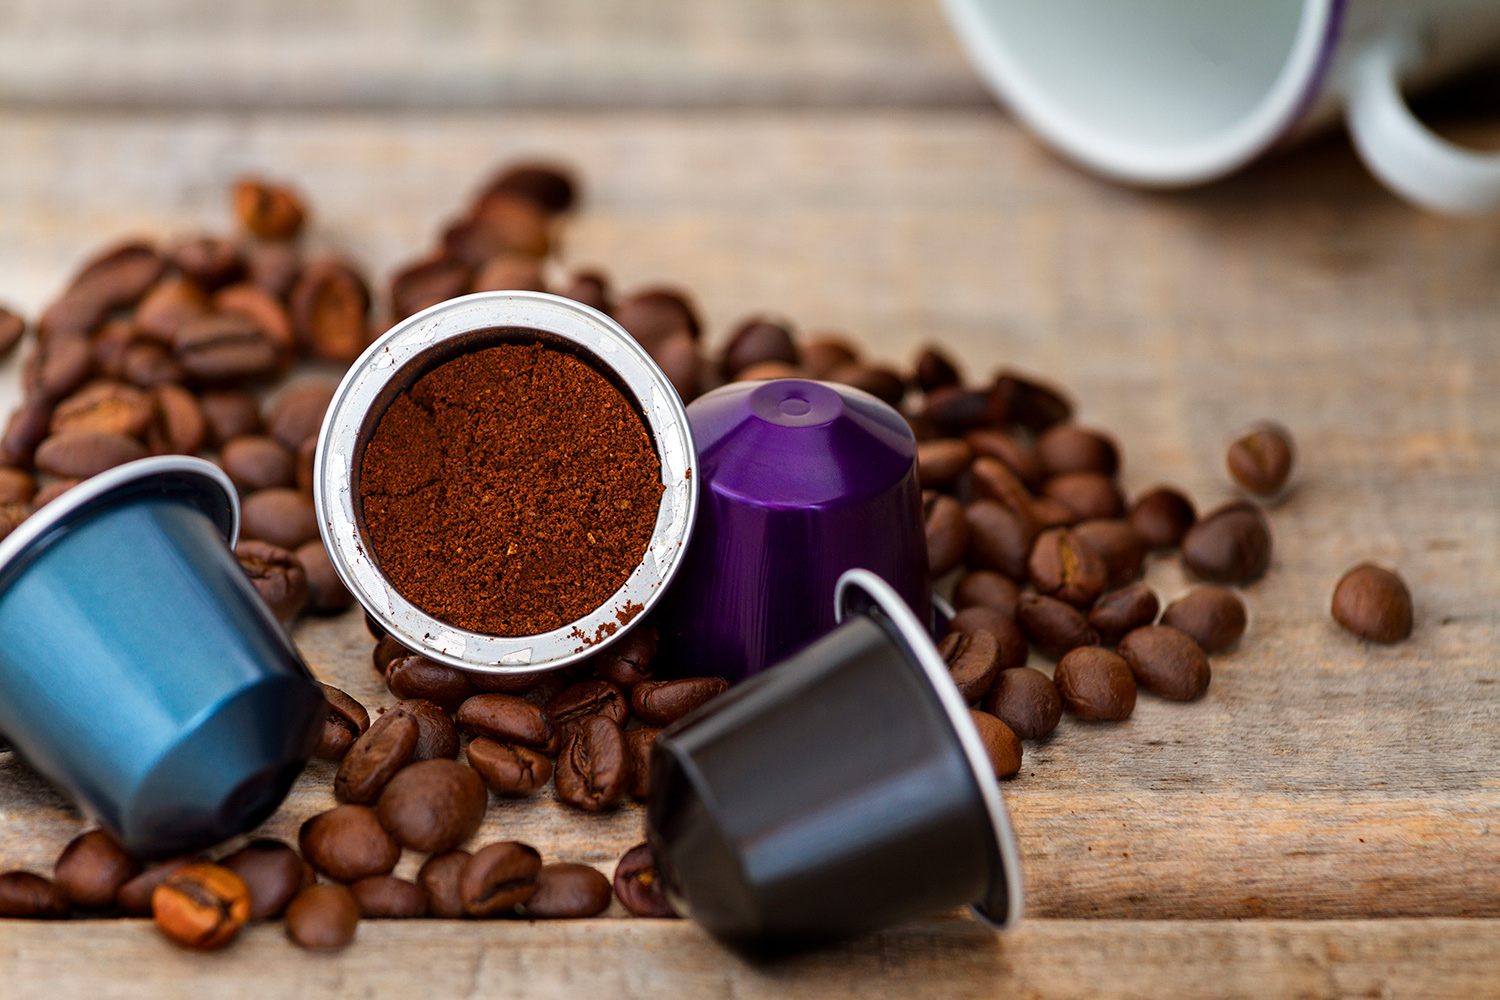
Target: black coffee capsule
841, 791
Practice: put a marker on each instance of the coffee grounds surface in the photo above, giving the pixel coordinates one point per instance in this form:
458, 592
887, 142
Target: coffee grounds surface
510, 490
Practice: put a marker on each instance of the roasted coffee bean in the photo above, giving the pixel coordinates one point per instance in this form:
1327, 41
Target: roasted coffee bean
426, 283
328, 306
661, 703
386, 897
628, 662
999, 538
80, 454
587, 698
1001, 745
273, 266
547, 185
568, 892
1120, 611
12, 328
322, 918
1063, 566
505, 222
27, 427
149, 365
499, 878
678, 358
16, 486
638, 887
266, 311
439, 878
282, 516
591, 288
221, 348
755, 340
1116, 542
954, 411
1030, 403
1095, 685
273, 873
1086, 494
326, 593
1050, 513
211, 261
1230, 545
1018, 455
510, 771
178, 427
117, 277
1069, 448
388, 648
1166, 662
935, 369
973, 660
993, 480
1054, 627
267, 210
433, 805
347, 720
988, 589
1162, 516
347, 843
509, 271
134, 897
653, 315
229, 414
639, 743
108, 407
506, 718
1261, 461
823, 354
276, 575
437, 734
940, 462
1373, 603
883, 383
27, 896
946, 529
1212, 616
58, 367
594, 767
419, 677
297, 413
256, 462
201, 906
91, 869
52, 491
384, 748
1026, 701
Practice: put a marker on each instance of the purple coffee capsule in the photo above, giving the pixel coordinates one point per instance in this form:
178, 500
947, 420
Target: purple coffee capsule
799, 482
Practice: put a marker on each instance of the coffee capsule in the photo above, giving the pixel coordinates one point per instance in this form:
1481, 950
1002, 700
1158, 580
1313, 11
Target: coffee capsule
139, 670
843, 790
801, 481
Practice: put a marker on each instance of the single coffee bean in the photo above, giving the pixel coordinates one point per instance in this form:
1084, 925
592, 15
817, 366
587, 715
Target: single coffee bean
1230, 545
954, 411
506, 718
1373, 603
1069, 448
282, 516
1012, 644
498, 224
1086, 494
548, 186
326, 593
230, 414
25, 430
883, 383
1028, 402
1026, 701
988, 589
134, 897
638, 887
822, 355
1212, 616
587, 698
639, 743
347, 843
171, 303
1018, 455
939, 462
1123, 610
347, 719
1166, 662
511, 270
58, 367
386, 897
1116, 542
108, 407
437, 733
28, 896
661, 703
934, 369
322, 918
201, 906
510, 771
266, 311
1063, 566
211, 261
273, 873
1162, 516
296, 414
80, 454
328, 306
973, 660
999, 538
91, 869
433, 805
223, 348
993, 480
388, 649
439, 878
16, 486
499, 878
419, 677
1054, 627
256, 462
678, 358
268, 211
1095, 684
594, 766
653, 315
1001, 745
178, 426
426, 283
628, 662
946, 529
591, 288
568, 892
1261, 461
374, 758
276, 575
756, 340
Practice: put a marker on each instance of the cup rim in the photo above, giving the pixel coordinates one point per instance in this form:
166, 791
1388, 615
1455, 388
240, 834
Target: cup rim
1003, 902
608, 345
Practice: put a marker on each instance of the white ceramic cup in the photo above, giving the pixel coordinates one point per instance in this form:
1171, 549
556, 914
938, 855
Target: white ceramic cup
1177, 92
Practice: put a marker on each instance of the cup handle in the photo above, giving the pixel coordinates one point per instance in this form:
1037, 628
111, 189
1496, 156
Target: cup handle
1407, 156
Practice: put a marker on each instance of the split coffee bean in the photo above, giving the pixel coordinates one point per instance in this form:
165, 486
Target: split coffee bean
628, 662
348, 843
568, 892
1373, 603
661, 703
638, 887
1166, 662
134, 897
375, 757
28, 896
506, 718
588, 698
1214, 617
999, 538
92, 868
1026, 701
347, 720
1261, 461
1054, 627
272, 872
419, 677
594, 768
268, 211
1065, 567
499, 878
322, 918
276, 575
986, 588
201, 906
941, 461
639, 743
1230, 545
1095, 685
947, 531
1001, 745
1120, 611
439, 878
386, 897
433, 805
510, 771
973, 660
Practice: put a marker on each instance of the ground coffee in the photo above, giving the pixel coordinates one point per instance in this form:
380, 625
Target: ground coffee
510, 490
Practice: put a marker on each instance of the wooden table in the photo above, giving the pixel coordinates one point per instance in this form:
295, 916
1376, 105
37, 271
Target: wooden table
880, 193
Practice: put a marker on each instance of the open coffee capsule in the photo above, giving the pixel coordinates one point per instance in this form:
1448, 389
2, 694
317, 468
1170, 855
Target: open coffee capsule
139, 670
843, 790
560, 334
800, 481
